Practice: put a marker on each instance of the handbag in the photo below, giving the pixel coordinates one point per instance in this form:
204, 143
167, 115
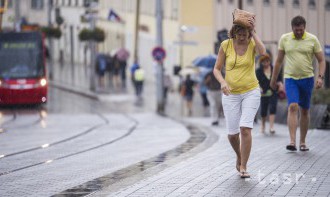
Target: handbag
281, 95
241, 17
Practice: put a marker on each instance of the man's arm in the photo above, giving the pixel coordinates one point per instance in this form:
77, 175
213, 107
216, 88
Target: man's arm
277, 68
320, 58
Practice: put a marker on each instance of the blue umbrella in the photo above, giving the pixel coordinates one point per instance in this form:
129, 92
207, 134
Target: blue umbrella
205, 61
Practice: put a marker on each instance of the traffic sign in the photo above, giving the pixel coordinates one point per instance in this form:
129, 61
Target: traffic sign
158, 53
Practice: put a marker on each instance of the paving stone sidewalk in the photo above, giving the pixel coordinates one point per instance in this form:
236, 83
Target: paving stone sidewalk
274, 171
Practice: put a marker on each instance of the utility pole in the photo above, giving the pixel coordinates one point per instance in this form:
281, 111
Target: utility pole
92, 11
3, 7
1, 14
50, 40
160, 66
137, 23
240, 4
17, 15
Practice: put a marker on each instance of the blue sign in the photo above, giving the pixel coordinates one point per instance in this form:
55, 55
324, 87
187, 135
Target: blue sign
327, 50
158, 53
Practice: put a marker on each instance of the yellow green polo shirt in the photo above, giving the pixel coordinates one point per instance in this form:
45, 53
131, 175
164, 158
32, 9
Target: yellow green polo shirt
240, 70
299, 54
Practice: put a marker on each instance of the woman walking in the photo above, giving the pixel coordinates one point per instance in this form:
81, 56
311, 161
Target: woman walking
240, 87
268, 96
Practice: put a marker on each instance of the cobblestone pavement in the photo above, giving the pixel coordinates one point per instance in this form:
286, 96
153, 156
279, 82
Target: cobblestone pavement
274, 171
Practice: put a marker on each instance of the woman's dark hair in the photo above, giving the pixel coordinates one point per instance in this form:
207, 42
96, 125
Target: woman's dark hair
235, 29
297, 21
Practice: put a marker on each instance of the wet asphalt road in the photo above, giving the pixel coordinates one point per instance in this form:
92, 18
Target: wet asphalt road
39, 144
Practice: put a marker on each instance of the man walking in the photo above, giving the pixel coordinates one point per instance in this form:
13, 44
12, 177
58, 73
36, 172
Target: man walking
299, 48
214, 96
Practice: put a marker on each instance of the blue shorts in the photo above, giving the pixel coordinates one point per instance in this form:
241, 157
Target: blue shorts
299, 91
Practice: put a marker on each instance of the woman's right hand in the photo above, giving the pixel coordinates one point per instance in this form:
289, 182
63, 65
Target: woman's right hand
252, 21
225, 88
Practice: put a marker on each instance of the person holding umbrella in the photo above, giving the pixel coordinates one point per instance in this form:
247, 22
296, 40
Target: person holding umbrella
122, 56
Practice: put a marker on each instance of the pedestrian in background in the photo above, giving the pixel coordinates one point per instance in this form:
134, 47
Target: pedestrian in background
298, 48
116, 71
268, 96
203, 93
133, 68
100, 68
168, 84
214, 96
122, 55
187, 91
138, 81
240, 87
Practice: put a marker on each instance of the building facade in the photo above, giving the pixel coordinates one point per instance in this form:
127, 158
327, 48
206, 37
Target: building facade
190, 27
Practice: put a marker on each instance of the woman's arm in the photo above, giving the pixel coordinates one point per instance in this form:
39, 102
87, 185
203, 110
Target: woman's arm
260, 47
217, 71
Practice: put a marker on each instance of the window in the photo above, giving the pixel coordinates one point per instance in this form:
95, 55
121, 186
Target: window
231, 1
312, 4
174, 9
281, 3
77, 3
10, 4
266, 2
250, 2
37, 4
296, 3
327, 5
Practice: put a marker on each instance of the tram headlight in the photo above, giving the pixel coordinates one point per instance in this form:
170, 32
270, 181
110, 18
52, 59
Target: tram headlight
43, 82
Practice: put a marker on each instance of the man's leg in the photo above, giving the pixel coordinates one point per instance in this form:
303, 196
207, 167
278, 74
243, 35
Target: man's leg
304, 124
292, 121
293, 95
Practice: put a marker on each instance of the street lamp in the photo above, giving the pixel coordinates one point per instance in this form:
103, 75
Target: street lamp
3, 8
92, 11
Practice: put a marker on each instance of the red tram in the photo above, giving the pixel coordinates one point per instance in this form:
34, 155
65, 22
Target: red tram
22, 68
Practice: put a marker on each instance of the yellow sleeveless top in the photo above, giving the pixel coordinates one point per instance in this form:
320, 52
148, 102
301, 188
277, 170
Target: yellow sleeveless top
240, 70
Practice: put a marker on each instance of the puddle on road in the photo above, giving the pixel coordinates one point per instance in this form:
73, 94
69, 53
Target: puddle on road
196, 138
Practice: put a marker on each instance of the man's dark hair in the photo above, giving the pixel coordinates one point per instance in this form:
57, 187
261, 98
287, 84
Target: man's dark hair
297, 21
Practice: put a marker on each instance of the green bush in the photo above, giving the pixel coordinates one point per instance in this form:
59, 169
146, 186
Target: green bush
52, 32
97, 35
321, 96
85, 35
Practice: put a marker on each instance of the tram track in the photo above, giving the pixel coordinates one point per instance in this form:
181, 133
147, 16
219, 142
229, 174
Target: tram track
126, 134
2, 126
5, 126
